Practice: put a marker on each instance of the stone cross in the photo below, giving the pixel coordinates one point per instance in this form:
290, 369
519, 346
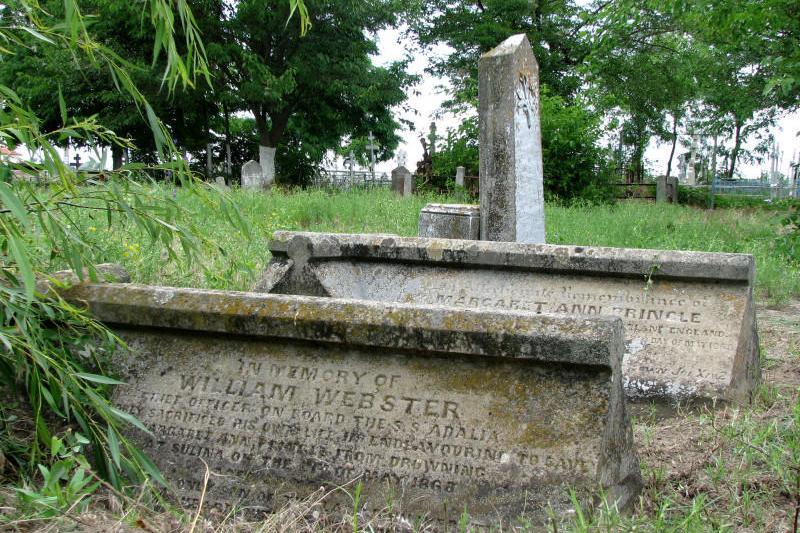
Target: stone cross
252, 175
402, 157
372, 146
77, 161
511, 183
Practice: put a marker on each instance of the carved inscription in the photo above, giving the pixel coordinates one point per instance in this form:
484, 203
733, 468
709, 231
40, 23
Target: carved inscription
276, 419
679, 335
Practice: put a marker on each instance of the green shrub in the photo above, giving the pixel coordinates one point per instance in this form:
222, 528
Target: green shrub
574, 164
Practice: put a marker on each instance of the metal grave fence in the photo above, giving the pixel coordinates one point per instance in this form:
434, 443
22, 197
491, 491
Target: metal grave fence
348, 179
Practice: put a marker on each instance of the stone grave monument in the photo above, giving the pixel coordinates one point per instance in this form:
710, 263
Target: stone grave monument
252, 175
689, 316
450, 221
511, 189
511, 171
667, 189
460, 173
402, 181
441, 410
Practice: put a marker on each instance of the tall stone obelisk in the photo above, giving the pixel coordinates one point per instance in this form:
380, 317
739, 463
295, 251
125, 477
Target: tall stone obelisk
511, 184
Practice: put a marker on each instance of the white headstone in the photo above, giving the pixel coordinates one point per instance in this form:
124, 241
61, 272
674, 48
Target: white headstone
252, 175
460, 171
266, 157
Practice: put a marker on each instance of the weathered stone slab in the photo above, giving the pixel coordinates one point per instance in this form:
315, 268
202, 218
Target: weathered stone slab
689, 316
667, 190
450, 221
511, 171
252, 175
219, 181
437, 409
402, 181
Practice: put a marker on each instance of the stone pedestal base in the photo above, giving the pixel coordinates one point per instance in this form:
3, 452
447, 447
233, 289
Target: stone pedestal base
450, 221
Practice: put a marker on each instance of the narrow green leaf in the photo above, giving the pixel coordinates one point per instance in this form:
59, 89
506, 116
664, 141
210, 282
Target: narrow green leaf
62, 106
13, 203
105, 380
113, 444
36, 34
148, 465
129, 418
20, 253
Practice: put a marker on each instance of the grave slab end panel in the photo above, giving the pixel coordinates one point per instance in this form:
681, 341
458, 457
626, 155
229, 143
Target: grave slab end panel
279, 419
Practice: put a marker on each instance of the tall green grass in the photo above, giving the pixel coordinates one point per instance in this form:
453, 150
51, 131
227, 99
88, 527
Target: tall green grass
236, 260
674, 227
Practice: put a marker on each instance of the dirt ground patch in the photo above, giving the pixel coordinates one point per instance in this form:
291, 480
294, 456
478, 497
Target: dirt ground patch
681, 453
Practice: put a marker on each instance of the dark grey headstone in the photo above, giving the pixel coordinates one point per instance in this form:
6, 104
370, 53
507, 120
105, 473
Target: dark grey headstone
402, 181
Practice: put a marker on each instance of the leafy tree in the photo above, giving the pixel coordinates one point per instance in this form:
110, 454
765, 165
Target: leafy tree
763, 33
473, 28
641, 71
39, 72
654, 59
574, 164
749, 69
317, 89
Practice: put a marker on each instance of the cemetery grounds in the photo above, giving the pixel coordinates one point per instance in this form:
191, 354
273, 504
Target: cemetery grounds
732, 468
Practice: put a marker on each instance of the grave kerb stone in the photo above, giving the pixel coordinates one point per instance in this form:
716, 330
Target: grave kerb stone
689, 316
227, 377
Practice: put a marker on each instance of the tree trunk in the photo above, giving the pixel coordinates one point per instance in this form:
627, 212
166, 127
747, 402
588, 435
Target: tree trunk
714, 161
228, 167
674, 142
737, 144
268, 142
116, 156
209, 161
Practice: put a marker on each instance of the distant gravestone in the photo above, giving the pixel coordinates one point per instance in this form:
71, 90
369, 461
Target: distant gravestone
689, 316
661, 189
672, 190
500, 414
460, 172
511, 186
219, 181
667, 190
402, 181
450, 221
252, 175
